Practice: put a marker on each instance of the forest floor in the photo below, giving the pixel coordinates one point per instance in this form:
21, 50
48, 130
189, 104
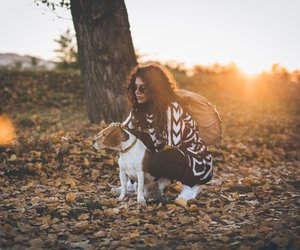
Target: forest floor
55, 188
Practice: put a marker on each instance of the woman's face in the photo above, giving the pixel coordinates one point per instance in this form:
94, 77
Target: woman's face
141, 91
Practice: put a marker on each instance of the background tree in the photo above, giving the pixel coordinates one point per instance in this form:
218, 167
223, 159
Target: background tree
67, 52
105, 51
33, 61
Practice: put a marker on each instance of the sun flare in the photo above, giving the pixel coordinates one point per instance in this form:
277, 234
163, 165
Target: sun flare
250, 70
7, 131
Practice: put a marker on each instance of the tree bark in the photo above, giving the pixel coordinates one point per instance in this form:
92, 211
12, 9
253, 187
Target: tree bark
106, 55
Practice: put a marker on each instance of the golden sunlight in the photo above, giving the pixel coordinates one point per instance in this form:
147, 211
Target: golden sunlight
250, 70
7, 131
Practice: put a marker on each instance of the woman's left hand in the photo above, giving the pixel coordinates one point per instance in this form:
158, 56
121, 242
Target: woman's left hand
116, 124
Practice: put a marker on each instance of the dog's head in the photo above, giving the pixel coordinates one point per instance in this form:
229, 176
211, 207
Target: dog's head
110, 138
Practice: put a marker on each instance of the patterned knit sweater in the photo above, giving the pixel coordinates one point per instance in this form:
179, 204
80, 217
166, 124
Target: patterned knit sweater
183, 134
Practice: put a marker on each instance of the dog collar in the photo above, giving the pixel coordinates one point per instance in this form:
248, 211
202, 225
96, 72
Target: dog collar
130, 147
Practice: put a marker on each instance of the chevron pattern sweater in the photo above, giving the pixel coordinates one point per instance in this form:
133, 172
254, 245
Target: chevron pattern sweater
183, 134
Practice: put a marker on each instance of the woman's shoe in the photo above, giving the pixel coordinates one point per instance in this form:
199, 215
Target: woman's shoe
189, 193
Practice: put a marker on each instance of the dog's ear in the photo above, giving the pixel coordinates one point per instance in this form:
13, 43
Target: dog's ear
114, 138
125, 135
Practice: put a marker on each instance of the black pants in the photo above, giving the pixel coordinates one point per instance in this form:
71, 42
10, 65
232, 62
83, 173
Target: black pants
171, 164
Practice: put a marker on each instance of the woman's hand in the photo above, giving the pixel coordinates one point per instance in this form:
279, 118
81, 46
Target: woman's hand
116, 124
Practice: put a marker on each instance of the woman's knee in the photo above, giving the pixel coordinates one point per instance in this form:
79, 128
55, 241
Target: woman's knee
155, 166
167, 164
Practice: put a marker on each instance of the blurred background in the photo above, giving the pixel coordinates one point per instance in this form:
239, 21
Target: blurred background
242, 56
253, 35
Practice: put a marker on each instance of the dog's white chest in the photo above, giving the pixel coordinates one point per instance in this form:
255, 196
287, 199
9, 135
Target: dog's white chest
132, 163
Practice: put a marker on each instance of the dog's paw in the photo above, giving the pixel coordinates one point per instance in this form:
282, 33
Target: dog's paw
121, 197
141, 200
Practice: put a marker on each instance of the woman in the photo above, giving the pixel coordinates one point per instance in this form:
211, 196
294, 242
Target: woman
179, 153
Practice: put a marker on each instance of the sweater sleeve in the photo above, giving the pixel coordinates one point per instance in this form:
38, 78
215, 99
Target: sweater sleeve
181, 127
128, 123
190, 131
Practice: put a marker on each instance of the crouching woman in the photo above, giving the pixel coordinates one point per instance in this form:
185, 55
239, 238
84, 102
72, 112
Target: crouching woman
178, 153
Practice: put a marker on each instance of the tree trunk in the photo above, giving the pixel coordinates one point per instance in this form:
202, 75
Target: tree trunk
106, 55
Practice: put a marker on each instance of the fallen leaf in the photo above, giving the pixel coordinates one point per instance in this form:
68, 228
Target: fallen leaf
109, 162
171, 207
193, 208
134, 235
37, 242
185, 219
56, 139
81, 225
182, 202
133, 220
86, 162
95, 174
114, 234
100, 234
80, 245
84, 217
109, 202
206, 218
13, 157
70, 197
61, 132
111, 211
23, 227
266, 187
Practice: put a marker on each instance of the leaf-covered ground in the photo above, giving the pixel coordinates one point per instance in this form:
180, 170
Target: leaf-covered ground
55, 189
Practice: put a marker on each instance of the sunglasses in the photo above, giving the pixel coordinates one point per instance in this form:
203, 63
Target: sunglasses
140, 88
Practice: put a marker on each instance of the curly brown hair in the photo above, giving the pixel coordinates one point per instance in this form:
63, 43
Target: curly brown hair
161, 86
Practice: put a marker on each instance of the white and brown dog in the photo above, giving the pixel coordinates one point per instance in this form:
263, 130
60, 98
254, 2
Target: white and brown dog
133, 160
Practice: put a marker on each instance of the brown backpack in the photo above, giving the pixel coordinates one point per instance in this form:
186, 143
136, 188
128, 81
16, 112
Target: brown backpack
204, 113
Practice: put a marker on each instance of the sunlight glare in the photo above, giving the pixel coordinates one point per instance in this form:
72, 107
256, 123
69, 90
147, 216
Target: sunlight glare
7, 131
250, 70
